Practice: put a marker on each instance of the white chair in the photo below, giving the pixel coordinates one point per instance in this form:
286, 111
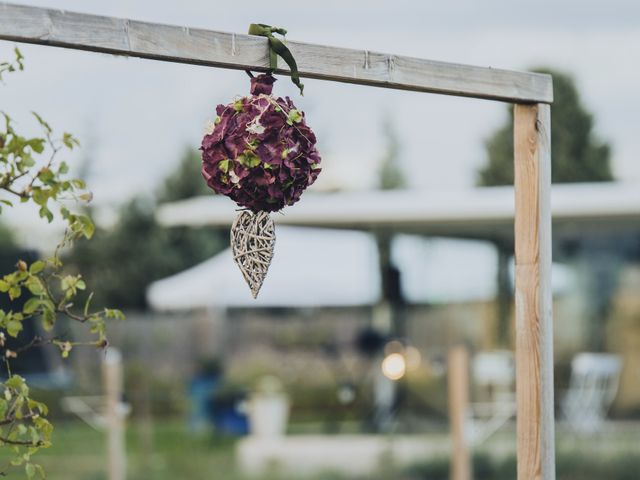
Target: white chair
494, 372
592, 388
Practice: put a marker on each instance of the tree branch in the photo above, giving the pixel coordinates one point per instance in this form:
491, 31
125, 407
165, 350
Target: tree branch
8, 421
27, 443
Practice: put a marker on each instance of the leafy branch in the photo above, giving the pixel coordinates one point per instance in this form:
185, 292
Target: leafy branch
15, 65
31, 173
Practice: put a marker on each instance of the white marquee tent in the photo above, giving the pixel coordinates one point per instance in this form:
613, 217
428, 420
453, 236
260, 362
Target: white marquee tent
323, 267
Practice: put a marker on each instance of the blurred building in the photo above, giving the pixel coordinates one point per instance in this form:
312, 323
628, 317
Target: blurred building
450, 251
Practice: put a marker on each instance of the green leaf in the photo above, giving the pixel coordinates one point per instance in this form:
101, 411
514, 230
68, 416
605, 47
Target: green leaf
36, 267
249, 159
69, 141
114, 313
223, 165
31, 305
48, 320
78, 183
30, 470
294, 116
46, 175
88, 228
64, 168
34, 285
4, 286
67, 282
13, 328
45, 212
27, 161
16, 382
36, 144
14, 292
40, 196
41, 121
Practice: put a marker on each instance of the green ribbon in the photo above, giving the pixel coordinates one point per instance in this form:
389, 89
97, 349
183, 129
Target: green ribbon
277, 47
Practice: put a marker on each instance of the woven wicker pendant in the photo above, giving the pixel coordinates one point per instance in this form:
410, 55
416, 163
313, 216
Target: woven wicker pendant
252, 240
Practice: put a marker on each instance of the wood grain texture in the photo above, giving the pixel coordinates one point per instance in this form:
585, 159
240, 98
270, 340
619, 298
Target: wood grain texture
117, 36
458, 376
534, 324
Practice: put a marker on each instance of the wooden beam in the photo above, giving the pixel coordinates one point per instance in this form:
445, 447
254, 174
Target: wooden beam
458, 377
20, 23
534, 324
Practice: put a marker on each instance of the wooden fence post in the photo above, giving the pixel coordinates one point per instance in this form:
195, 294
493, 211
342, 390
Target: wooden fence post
114, 415
533, 296
458, 376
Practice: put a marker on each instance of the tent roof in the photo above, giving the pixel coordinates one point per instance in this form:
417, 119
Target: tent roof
322, 267
308, 269
475, 213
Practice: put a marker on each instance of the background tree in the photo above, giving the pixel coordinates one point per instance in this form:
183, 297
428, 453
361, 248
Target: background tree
576, 154
137, 250
390, 174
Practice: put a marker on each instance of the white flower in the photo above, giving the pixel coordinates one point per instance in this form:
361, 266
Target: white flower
255, 128
233, 177
208, 128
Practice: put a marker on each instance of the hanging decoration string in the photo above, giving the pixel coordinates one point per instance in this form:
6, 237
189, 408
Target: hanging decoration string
277, 47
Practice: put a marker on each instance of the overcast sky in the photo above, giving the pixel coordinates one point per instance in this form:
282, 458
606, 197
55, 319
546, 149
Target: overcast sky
134, 117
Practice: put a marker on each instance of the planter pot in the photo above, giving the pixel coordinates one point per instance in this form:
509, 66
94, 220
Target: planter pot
268, 414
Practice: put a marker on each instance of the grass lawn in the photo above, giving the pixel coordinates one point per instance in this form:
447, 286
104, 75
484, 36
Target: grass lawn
78, 453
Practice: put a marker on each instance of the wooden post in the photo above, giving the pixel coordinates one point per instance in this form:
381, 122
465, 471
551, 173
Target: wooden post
458, 373
534, 324
114, 415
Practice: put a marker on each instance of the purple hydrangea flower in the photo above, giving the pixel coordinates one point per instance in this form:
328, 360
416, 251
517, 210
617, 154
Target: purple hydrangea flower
260, 153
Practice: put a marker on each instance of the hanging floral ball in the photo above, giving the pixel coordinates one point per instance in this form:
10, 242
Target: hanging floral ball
259, 151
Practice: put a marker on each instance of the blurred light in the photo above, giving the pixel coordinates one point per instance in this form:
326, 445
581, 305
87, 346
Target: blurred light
394, 366
413, 358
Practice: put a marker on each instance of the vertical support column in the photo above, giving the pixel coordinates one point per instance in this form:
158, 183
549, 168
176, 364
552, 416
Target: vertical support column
534, 324
114, 415
458, 373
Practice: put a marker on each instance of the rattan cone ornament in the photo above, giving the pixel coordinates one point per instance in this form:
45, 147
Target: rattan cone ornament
260, 153
253, 238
